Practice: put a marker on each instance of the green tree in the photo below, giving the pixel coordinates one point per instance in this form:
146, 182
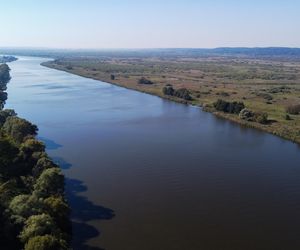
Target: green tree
46, 242
38, 225
50, 182
23, 206
57, 207
19, 128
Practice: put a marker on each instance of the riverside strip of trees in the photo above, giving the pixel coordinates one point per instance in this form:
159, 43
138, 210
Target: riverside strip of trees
34, 214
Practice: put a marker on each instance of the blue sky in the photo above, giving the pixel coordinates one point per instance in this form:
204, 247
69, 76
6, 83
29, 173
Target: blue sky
149, 24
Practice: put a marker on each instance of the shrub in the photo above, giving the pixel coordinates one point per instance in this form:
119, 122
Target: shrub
229, 107
261, 117
168, 90
143, 80
183, 93
246, 114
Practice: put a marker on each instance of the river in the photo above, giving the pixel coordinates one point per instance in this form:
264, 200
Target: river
145, 173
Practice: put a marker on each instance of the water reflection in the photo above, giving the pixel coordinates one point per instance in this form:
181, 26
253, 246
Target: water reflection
83, 212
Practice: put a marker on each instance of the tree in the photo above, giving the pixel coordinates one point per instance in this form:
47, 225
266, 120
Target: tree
38, 225
8, 153
4, 75
50, 182
57, 207
19, 128
46, 242
168, 90
42, 164
183, 93
6, 113
229, 107
23, 206
246, 114
261, 117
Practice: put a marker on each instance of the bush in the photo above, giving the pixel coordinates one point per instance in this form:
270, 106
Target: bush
293, 109
143, 80
168, 90
246, 114
261, 118
229, 107
183, 93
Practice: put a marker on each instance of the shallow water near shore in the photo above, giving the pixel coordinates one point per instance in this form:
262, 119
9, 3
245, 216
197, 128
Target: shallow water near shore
145, 173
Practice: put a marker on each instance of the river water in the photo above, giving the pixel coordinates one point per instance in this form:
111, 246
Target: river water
144, 173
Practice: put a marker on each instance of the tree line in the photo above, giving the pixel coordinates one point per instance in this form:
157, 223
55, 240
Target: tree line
34, 214
4, 79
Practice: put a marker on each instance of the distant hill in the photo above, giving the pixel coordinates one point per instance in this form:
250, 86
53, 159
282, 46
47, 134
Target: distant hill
269, 52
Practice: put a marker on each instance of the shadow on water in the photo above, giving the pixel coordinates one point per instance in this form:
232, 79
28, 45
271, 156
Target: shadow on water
61, 162
51, 145
83, 211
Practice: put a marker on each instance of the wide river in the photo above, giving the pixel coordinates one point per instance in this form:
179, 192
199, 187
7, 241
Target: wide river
144, 173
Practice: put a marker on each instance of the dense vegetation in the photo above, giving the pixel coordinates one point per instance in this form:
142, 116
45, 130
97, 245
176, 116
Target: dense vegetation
182, 93
229, 107
34, 214
4, 79
6, 59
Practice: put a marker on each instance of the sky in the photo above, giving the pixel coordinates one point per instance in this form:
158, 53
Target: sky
100, 24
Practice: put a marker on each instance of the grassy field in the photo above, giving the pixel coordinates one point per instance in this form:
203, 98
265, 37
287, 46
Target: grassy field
262, 84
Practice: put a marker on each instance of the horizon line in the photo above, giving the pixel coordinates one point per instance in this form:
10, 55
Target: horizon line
151, 48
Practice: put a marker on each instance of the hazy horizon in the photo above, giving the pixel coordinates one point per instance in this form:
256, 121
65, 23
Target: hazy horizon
132, 24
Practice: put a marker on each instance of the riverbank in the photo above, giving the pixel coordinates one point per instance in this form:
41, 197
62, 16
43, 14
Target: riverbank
136, 141
254, 97
34, 212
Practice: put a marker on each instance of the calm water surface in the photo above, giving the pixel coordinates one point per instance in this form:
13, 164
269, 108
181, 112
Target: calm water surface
145, 173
